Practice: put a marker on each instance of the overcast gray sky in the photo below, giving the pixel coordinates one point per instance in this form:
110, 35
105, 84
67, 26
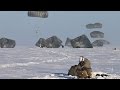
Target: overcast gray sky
18, 26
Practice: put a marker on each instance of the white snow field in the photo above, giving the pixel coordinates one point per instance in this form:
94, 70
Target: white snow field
54, 63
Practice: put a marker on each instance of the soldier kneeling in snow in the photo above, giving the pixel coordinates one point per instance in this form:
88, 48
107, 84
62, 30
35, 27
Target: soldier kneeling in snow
85, 65
82, 70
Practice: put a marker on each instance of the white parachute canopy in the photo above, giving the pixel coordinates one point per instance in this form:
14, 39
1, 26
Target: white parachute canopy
41, 14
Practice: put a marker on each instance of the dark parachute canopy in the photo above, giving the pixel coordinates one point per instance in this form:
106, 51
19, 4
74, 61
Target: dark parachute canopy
41, 14
97, 34
93, 26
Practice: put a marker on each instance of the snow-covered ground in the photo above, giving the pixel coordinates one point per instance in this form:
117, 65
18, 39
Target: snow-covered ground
54, 63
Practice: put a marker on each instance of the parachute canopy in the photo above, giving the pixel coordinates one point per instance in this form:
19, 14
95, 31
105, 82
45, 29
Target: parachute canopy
93, 26
97, 34
41, 14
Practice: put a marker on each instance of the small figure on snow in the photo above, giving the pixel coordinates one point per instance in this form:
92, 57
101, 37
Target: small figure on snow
114, 49
62, 46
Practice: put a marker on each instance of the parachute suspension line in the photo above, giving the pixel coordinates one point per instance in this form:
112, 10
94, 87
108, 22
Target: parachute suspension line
40, 14
37, 32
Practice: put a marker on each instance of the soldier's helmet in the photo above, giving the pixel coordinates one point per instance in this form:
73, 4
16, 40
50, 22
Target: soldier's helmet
81, 58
